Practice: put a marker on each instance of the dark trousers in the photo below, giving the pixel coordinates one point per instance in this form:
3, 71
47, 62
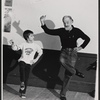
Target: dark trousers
68, 59
24, 70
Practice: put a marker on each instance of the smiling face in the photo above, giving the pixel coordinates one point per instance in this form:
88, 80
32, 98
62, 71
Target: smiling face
67, 21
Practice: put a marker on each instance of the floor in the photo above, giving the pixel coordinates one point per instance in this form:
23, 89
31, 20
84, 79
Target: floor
10, 92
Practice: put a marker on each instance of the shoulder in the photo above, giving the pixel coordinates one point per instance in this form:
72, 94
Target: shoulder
62, 28
78, 30
35, 44
24, 43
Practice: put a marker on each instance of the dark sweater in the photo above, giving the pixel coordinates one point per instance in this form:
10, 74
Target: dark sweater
68, 38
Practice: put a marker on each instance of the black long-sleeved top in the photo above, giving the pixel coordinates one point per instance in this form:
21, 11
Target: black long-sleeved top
68, 38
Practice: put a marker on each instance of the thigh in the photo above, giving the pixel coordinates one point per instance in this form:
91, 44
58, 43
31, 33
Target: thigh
68, 60
21, 66
73, 58
27, 70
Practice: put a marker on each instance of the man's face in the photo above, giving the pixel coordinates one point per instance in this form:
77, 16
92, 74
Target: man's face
67, 21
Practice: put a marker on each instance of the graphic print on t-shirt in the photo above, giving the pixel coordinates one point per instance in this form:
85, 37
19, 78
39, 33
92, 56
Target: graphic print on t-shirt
28, 51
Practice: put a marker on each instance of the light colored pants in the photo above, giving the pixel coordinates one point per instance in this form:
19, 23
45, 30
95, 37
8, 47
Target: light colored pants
68, 59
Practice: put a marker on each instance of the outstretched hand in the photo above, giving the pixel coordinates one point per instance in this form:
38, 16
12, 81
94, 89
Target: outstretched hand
42, 18
11, 42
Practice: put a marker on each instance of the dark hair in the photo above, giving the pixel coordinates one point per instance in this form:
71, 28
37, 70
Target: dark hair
68, 17
26, 34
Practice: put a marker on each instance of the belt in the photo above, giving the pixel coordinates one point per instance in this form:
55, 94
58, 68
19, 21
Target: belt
69, 49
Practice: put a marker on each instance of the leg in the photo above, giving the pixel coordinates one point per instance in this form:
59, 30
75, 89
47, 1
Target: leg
67, 60
65, 85
74, 58
27, 72
22, 78
24, 70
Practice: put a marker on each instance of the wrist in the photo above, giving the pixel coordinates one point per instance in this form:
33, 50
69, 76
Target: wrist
34, 60
80, 47
42, 23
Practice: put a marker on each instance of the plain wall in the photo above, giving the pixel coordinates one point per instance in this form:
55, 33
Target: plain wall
26, 15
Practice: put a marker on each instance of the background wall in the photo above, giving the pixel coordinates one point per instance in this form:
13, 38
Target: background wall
26, 15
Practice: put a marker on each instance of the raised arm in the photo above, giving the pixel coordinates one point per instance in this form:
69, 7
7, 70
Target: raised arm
46, 29
42, 20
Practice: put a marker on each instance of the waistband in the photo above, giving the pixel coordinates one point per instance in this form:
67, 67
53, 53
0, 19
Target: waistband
68, 49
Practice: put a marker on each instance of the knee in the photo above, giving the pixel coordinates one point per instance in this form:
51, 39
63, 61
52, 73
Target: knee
70, 72
73, 72
62, 60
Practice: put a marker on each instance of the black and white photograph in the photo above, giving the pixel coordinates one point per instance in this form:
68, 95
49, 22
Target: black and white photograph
50, 50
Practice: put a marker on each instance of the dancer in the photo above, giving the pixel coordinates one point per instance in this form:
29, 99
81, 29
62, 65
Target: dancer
29, 48
68, 36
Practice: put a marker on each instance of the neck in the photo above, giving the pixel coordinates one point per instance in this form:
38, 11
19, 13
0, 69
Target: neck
68, 28
30, 41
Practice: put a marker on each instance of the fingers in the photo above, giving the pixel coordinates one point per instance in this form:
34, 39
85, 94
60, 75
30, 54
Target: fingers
43, 17
77, 48
11, 42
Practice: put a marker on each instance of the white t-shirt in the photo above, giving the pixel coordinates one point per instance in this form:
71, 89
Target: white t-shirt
28, 51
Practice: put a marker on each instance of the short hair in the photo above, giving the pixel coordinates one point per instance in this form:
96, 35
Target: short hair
68, 17
26, 34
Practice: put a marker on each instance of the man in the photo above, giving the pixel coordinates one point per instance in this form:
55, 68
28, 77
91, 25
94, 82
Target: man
68, 36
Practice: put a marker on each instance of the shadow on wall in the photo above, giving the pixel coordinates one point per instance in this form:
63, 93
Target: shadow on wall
5, 41
44, 40
18, 29
46, 68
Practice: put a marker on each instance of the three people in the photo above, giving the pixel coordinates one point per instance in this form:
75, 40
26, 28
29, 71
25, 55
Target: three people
68, 36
